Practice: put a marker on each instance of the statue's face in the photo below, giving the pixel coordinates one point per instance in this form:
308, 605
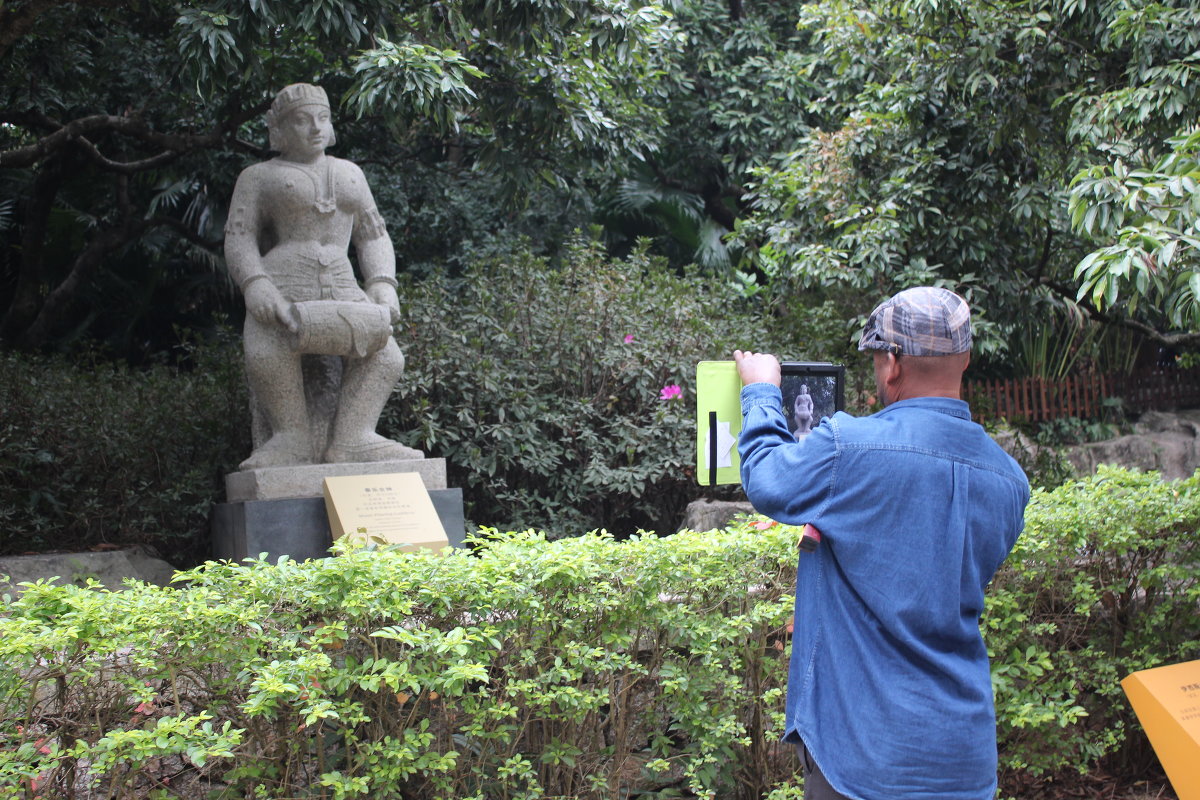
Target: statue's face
305, 132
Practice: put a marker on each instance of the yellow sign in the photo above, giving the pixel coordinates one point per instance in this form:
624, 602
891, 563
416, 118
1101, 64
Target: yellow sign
1167, 701
390, 509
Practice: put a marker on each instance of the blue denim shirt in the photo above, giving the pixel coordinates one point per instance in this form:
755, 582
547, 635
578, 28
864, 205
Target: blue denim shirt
889, 685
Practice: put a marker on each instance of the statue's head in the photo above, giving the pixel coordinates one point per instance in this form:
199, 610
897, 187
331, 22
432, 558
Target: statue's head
290, 99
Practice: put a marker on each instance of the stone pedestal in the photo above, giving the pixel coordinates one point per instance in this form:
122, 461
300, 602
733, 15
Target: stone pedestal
279, 483
280, 511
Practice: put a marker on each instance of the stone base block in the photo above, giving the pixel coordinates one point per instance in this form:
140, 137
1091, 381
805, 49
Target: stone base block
299, 527
283, 483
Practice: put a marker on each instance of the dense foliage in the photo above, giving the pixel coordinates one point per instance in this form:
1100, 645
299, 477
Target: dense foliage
580, 668
93, 453
544, 388
584, 667
1103, 582
1149, 213
946, 140
121, 133
1034, 155
729, 100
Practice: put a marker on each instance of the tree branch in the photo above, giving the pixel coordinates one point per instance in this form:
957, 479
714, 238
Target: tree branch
1045, 260
125, 167
1187, 340
78, 130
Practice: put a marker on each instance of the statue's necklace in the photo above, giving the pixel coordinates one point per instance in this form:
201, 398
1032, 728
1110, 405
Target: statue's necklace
325, 202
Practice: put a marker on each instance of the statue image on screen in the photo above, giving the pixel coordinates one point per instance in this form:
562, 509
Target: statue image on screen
802, 411
807, 398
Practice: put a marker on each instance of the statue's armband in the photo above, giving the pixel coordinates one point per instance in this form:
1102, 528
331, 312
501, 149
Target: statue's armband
369, 224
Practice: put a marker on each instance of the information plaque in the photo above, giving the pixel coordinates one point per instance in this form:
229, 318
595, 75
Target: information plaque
1167, 702
393, 509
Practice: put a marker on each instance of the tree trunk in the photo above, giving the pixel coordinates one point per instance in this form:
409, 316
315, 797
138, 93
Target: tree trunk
23, 308
57, 306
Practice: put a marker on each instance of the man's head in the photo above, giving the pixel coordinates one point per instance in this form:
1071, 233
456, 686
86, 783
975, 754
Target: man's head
297, 111
921, 340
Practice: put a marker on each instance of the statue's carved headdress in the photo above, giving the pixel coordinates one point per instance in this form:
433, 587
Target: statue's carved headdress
288, 100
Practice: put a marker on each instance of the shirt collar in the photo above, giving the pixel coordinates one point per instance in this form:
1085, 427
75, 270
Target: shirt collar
943, 405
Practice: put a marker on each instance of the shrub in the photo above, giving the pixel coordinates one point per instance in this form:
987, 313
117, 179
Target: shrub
94, 452
582, 667
541, 386
1104, 581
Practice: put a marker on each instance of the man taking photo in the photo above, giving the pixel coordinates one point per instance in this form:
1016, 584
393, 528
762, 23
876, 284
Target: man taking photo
889, 689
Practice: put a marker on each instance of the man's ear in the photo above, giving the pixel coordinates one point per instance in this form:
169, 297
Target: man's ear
892, 369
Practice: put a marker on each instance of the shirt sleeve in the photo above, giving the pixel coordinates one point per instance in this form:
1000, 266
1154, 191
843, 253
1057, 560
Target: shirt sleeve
786, 480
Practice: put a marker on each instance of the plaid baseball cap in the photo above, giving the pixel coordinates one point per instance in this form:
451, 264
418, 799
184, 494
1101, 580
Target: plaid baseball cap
923, 321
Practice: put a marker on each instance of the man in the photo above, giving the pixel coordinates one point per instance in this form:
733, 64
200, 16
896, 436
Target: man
291, 220
889, 691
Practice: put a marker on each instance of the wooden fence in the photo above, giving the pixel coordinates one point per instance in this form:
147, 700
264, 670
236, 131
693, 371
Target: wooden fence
1038, 399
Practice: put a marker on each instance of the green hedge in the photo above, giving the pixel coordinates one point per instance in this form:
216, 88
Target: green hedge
582, 667
1104, 581
535, 668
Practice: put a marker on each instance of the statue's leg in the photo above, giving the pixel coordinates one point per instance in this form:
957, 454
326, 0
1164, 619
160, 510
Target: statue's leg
366, 385
277, 383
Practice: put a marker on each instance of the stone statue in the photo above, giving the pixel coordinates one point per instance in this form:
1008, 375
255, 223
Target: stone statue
320, 357
802, 410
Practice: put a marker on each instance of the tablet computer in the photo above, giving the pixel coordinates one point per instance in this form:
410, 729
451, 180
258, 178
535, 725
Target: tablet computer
811, 390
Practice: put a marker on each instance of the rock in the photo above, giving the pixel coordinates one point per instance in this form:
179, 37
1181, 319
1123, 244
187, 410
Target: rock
1184, 422
110, 568
1168, 442
1017, 445
708, 515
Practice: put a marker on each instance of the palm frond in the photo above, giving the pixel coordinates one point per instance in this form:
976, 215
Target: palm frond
711, 252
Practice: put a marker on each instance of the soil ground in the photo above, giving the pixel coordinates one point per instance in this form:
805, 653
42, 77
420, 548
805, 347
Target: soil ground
1099, 785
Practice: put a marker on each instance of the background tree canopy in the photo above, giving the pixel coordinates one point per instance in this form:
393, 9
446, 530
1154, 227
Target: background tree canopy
947, 142
1037, 155
121, 130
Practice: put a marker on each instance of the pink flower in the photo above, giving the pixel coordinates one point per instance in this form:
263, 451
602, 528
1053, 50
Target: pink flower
629, 338
670, 392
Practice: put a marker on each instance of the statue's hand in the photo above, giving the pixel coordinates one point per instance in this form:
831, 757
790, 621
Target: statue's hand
385, 295
267, 305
